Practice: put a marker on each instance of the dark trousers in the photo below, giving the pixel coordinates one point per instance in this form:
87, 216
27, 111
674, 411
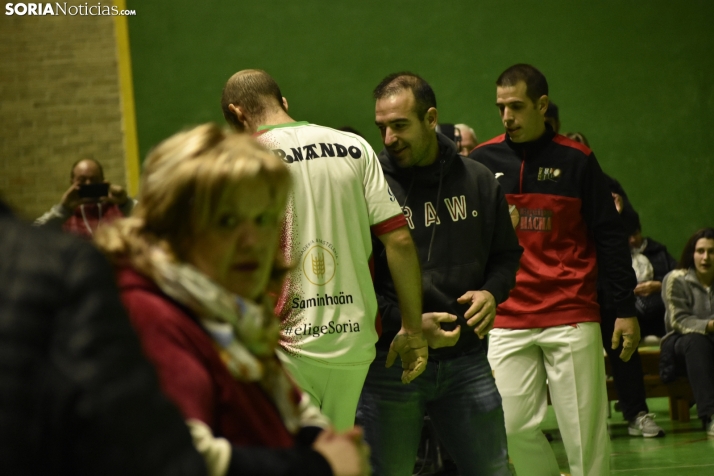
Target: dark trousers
463, 404
698, 353
628, 376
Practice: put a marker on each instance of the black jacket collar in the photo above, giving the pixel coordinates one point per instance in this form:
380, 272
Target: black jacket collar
533, 147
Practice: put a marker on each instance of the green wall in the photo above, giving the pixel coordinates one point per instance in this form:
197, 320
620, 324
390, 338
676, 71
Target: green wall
634, 76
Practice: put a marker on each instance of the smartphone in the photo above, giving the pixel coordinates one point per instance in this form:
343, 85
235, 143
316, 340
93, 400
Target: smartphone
94, 190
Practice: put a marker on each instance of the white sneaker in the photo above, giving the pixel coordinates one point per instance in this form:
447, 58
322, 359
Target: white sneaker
644, 425
710, 427
650, 341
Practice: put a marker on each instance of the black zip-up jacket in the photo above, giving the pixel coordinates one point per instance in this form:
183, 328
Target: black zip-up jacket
662, 261
568, 226
460, 224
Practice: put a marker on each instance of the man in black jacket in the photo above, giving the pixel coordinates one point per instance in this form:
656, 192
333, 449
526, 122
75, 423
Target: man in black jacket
78, 396
469, 254
652, 262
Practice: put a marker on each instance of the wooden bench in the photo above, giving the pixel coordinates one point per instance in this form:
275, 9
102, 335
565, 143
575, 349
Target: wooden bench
679, 392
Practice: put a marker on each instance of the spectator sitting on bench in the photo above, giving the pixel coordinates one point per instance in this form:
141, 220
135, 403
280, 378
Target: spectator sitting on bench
688, 298
651, 262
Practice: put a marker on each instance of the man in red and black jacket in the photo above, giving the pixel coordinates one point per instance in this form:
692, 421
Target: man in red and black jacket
549, 328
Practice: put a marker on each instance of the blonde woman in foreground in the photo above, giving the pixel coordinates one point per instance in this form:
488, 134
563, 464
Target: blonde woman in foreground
193, 265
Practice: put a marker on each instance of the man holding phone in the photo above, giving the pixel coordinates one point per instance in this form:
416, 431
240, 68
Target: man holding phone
88, 202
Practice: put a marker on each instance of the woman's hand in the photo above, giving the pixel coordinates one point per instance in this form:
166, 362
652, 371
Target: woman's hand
347, 453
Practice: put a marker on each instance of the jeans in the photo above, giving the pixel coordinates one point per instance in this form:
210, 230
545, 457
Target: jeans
698, 352
462, 401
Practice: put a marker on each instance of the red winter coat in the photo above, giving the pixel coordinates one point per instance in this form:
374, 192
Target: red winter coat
191, 372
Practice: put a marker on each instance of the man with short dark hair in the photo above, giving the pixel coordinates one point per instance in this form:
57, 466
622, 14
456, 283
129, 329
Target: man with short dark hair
469, 254
328, 306
81, 215
549, 328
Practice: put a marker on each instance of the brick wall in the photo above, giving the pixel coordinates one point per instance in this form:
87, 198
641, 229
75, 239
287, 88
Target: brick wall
59, 101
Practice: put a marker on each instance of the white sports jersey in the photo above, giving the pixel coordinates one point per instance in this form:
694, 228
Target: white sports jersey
328, 306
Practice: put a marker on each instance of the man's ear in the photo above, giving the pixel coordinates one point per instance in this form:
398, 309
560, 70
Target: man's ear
285, 104
542, 104
432, 117
237, 111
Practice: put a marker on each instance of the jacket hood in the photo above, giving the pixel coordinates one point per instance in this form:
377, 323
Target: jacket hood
428, 174
431, 175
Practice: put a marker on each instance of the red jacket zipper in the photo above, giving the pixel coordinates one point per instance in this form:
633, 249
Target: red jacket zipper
523, 163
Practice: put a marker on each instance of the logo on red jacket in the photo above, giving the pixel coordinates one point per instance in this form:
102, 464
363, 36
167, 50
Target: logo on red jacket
535, 219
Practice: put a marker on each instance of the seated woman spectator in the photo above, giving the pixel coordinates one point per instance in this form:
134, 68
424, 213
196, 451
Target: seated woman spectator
194, 262
689, 299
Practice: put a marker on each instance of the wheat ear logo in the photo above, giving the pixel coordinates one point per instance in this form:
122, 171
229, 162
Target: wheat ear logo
318, 265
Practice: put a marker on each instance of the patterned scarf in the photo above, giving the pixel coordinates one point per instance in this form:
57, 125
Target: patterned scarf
245, 334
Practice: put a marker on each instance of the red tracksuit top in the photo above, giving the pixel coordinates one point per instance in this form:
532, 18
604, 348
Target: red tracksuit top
569, 228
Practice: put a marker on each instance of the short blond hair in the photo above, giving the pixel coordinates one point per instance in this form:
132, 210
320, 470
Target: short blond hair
255, 91
185, 179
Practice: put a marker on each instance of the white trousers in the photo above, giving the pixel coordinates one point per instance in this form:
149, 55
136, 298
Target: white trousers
571, 359
334, 390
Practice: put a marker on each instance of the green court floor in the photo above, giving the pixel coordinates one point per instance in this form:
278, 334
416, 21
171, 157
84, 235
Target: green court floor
685, 450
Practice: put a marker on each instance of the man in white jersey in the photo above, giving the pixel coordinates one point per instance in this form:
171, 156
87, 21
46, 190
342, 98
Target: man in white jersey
328, 305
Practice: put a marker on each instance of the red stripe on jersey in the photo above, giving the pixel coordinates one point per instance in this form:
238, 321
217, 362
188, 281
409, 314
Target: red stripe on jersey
562, 140
390, 224
260, 133
520, 180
